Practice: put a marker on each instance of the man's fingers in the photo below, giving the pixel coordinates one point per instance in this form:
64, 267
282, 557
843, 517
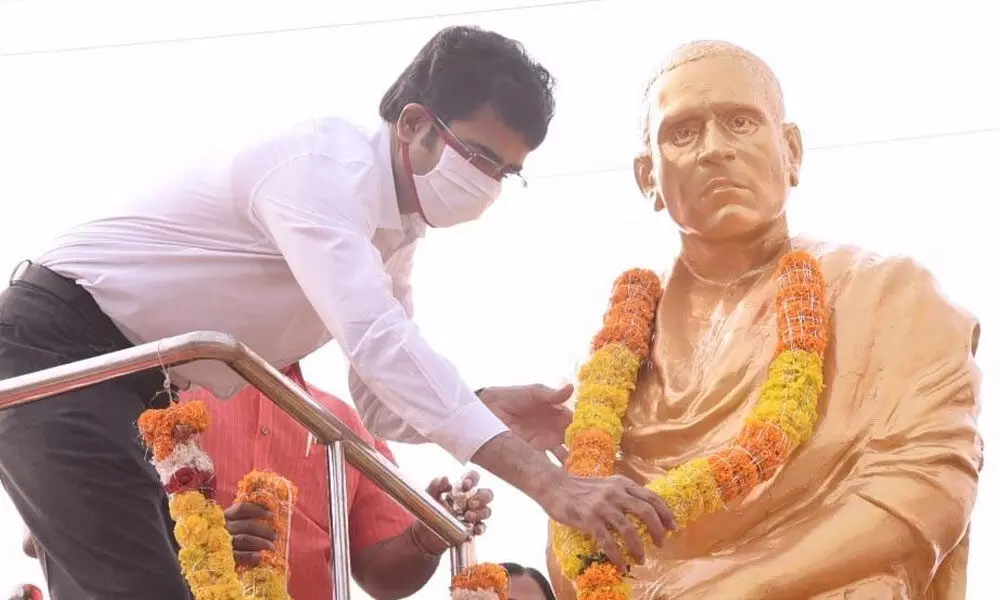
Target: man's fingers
246, 510
438, 487
255, 529
250, 543
246, 558
480, 499
560, 452
606, 542
648, 515
658, 505
470, 480
628, 533
553, 395
479, 529
475, 516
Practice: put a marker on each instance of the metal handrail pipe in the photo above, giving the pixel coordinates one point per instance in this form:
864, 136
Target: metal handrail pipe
210, 345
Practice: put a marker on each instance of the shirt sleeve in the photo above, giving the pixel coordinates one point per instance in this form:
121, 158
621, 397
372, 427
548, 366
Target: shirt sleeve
316, 212
374, 415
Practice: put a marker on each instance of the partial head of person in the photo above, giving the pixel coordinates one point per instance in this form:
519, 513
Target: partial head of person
465, 115
718, 154
527, 583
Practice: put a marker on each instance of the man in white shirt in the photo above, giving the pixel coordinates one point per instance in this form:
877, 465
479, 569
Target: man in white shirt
301, 239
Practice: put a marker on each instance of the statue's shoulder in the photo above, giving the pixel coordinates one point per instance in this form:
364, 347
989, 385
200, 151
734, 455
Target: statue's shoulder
844, 264
862, 282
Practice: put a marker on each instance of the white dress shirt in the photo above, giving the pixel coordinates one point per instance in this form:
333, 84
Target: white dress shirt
284, 245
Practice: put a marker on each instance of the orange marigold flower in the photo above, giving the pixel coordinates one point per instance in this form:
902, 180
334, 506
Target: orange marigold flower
801, 304
276, 494
768, 446
599, 575
734, 471
637, 283
637, 308
592, 454
618, 592
163, 428
633, 338
484, 576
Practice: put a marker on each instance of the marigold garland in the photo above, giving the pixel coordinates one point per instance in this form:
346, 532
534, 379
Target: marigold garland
269, 578
188, 475
782, 419
485, 581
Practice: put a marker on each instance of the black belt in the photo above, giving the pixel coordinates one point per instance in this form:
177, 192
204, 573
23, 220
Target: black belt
65, 289
147, 383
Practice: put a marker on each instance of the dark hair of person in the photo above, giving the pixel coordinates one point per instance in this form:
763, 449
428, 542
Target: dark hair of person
463, 69
515, 569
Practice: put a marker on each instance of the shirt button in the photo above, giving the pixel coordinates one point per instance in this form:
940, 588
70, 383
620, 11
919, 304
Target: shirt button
265, 431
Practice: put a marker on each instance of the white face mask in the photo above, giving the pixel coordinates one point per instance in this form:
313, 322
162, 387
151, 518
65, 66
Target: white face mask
454, 191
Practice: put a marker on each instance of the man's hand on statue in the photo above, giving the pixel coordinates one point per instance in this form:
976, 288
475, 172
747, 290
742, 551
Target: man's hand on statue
601, 505
474, 507
534, 412
246, 522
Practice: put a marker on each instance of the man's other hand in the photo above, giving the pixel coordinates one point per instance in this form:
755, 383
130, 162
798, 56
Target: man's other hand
248, 524
599, 506
477, 509
534, 412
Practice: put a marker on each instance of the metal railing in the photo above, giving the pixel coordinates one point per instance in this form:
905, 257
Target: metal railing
341, 443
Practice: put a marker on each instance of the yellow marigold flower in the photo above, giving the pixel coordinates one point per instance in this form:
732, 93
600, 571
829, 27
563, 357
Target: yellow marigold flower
600, 394
264, 583
570, 545
218, 539
191, 557
221, 561
591, 416
229, 589
790, 395
186, 503
613, 365
191, 530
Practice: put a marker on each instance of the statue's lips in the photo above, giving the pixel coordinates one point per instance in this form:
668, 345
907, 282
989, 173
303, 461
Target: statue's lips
720, 184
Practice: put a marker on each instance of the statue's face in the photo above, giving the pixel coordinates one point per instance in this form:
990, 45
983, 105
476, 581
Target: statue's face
720, 161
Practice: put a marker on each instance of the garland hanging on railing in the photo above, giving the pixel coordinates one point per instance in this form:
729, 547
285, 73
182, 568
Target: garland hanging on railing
485, 581
188, 475
782, 419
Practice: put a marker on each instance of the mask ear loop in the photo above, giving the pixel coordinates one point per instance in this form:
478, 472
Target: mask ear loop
408, 169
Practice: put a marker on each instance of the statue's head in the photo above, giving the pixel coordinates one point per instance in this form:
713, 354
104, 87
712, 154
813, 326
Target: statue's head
718, 153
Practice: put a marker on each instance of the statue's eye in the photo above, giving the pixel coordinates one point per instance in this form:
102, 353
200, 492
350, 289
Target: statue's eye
742, 125
683, 135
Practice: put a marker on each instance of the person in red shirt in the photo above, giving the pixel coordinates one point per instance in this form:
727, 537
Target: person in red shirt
392, 554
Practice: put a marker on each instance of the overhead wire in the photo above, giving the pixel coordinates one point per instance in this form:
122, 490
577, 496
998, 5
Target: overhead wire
303, 28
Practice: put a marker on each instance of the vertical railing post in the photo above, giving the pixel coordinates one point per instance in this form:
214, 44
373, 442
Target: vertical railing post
461, 556
340, 557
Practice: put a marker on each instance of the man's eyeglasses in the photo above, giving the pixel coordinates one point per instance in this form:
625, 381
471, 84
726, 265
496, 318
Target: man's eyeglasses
479, 160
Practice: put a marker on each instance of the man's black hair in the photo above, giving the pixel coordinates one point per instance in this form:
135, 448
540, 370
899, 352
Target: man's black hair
462, 69
515, 569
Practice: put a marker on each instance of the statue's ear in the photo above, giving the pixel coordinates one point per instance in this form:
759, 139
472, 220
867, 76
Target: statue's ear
793, 147
642, 168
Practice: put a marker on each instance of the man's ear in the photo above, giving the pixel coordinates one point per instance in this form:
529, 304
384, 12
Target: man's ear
412, 122
793, 145
642, 168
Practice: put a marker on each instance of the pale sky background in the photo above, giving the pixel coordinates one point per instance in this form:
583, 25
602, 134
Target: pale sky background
897, 102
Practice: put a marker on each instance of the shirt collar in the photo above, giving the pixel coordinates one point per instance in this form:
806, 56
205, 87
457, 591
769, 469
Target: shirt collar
389, 217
